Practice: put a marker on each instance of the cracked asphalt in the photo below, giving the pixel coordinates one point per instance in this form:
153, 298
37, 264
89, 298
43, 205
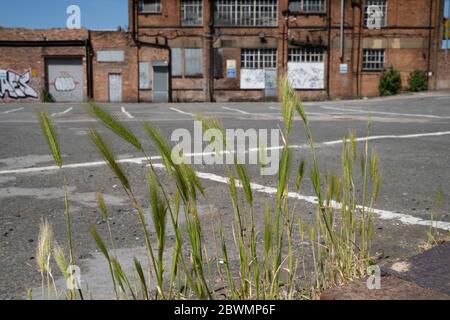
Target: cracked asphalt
410, 133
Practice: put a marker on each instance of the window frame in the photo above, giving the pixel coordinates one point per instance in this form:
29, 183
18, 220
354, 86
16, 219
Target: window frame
197, 4
182, 64
259, 58
302, 9
236, 14
384, 23
141, 7
306, 55
365, 62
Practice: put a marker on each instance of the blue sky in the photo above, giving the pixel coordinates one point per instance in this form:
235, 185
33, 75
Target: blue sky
95, 14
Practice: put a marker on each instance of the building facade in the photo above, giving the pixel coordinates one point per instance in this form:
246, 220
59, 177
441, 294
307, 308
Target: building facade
69, 65
230, 50
227, 50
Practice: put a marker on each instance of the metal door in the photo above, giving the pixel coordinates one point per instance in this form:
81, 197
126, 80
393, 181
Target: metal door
65, 79
115, 88
160, 81
271, 83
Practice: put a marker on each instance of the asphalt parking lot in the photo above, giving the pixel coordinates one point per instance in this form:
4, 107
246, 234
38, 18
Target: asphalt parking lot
410, 133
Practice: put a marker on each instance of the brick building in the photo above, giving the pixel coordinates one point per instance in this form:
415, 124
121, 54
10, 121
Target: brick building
230, 50
226, 50
72, 65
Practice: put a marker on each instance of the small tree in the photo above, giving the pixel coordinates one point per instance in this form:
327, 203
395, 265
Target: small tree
390, 82
418, 81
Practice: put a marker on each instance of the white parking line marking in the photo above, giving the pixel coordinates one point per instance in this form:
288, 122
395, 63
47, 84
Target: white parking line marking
126, 113
405, 136
139, 160
236, 110
382, 214
182, 112
307, 112
11, 111
385, 113
62, 113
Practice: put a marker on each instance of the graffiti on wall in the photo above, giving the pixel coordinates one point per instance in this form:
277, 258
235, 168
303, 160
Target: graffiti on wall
15, 85
65, 82
306, 75
253, 79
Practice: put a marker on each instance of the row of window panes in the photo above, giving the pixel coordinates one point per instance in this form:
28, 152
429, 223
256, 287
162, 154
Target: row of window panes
150, 6
246, 13
382, 4
305, 55
307, 5
250, 12
192, 12
259, 58
373, 59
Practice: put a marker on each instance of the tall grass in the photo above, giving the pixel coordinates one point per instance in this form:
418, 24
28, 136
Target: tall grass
289, 258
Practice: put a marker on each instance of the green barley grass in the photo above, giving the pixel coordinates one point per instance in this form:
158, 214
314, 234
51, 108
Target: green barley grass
289, 258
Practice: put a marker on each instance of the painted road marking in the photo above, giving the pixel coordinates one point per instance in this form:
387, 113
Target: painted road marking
405, 136
236, 110
139, 160
310, 113
382, 214
11, 111
182, 112
62, 113
126, 113
386, 113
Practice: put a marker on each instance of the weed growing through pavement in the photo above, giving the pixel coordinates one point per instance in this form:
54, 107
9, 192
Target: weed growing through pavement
273, 263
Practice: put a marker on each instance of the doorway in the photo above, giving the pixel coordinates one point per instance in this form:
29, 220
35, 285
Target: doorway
160, 81
115, 88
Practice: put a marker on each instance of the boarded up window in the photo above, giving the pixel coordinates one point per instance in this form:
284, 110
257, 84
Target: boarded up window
110, 56
193, 62
176, 62
218, 63
144, 79
306, 68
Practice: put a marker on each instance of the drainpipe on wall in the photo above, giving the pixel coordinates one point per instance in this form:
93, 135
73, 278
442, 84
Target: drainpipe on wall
341, 47
329, 49
358, 67
430, 42
89, 67
140, 44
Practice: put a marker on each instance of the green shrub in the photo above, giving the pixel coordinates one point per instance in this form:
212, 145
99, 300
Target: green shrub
418, 81
390, 82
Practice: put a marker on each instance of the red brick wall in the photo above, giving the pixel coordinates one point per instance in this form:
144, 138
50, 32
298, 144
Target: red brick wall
21, 59
128, 69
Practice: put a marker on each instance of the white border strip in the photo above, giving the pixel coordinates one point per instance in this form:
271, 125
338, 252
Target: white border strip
11, 111
126, 113
182, 112
62, 113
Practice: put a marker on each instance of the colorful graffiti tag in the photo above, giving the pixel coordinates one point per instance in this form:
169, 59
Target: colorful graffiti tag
15, 85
